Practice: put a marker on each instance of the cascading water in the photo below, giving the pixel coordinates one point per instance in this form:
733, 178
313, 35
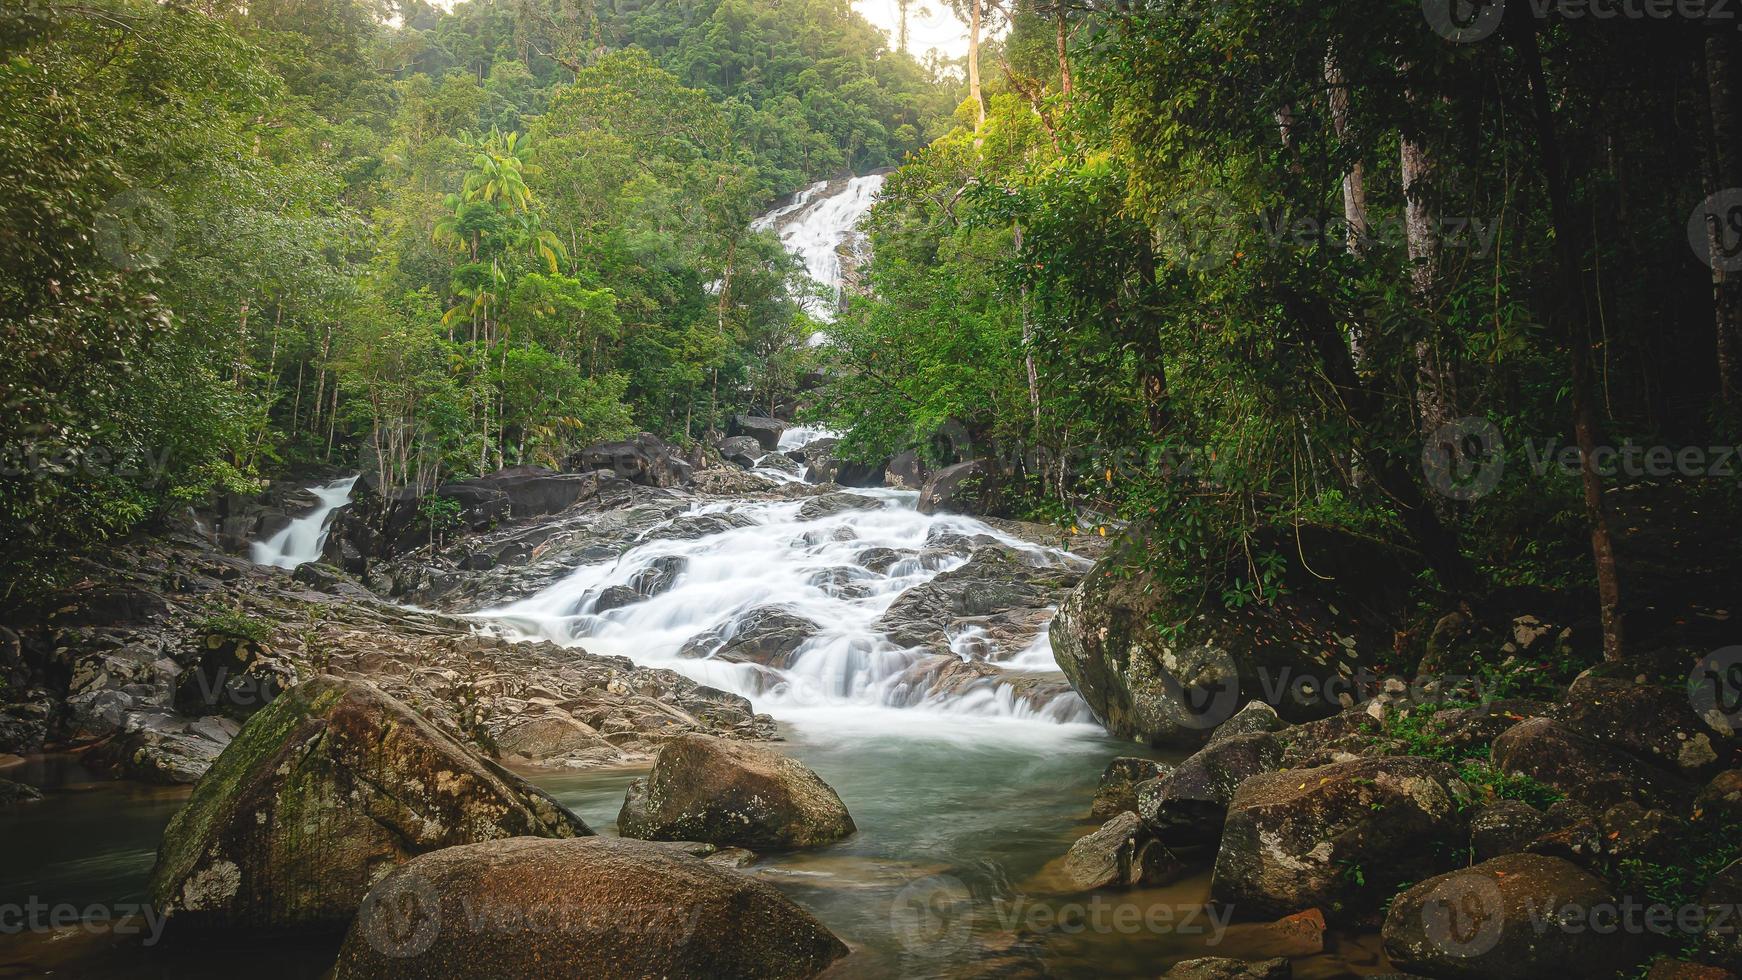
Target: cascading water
832, 575
817, 226
302, 539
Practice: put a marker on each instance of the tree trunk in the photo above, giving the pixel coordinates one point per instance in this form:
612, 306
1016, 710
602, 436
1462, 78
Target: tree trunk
1354, 179
974, 61
1723, 171
1028, 342
1151, 363
1578, 336
1433, 376
1063, 35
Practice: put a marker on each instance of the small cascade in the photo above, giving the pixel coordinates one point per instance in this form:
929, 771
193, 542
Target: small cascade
818, 227
302, 539
785, 609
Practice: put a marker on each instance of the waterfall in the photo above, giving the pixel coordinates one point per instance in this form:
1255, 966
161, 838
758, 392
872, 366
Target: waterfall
817, 227
302, 539
833, 576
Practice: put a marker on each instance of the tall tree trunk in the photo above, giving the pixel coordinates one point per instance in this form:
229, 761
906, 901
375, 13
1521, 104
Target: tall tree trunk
901, 44
1723, 170
974, 61
1062, 32
1151, 363
1354, 179
1434, 401
1578, 337
1028, 342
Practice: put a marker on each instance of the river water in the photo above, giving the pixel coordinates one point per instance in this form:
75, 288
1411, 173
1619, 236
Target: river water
964, 800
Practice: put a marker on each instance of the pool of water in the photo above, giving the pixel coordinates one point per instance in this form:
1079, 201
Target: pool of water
961, 821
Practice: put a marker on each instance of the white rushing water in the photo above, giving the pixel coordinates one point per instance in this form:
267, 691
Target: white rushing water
303, 538
821, 570
817, 226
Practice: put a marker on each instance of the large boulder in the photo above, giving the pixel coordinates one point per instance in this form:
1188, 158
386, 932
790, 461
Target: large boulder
962, 488
765, 431
599, 907
767, 635
734, 795
1584, 769
534, 491
742, 450
1621, 708
1516, 916
1339, 837
1117, 791
824, 466
1120, 854
1301, 653
321, 794
1187, 806
644, 458
906, 471
997, 591
1226, 968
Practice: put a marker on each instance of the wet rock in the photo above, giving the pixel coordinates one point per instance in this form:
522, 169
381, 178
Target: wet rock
767, 635
644, 459
995, 590
830, 504
557, 738
1117, 791
878, 560
824, 466
598, 907
1339, 837
732, 794
906, 471
1119, 855
1301, 654
963, 488
1255, 718
741, 450
1225, 968
765, 431
233, 676
323, 793
1501, 919
1506, 827
12, 793
1187, 806
534, 491
778, 461
1584, 769
690, 527
165, 748
659, 576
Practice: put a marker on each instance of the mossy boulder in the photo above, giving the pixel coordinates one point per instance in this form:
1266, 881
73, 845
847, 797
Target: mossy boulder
1157, 665
322, 793
734, 795
599, 907
1339, 837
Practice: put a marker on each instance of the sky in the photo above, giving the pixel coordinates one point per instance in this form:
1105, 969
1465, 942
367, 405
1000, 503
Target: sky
939, 30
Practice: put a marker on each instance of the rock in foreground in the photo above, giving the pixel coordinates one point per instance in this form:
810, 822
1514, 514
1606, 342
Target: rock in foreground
734, 795
1504, 918
1339, 837
598, 907
323, 792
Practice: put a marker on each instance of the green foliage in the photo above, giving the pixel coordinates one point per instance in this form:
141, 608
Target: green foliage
236, 625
